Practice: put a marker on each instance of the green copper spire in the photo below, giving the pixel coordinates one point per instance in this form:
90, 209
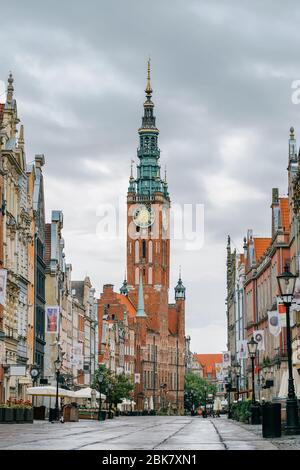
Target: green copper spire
179, 289
148, 179
141, 306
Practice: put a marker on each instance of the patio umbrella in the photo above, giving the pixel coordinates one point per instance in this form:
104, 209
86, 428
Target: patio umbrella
86, 393
49, 391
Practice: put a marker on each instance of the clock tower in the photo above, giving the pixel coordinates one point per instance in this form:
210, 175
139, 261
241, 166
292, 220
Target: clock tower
148, 204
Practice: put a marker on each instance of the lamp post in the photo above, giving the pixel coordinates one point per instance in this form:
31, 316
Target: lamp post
255, 410
109, 387
286, 284
57, 364
100, 381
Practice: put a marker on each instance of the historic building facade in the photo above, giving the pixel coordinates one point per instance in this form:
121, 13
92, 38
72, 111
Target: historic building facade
263, 260
159, 326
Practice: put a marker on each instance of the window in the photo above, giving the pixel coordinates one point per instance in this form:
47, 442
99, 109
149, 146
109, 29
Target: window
137, 251
144, 249
150, 276
150, 251
137, 276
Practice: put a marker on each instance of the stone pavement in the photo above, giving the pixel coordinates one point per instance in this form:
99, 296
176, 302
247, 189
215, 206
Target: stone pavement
147, 432
282, 443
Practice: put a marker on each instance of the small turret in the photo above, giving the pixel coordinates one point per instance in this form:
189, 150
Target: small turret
180, 289
10, 88
124, 288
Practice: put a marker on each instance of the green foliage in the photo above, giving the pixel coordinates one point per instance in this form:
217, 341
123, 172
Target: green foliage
241, 411
196, 390
120, 385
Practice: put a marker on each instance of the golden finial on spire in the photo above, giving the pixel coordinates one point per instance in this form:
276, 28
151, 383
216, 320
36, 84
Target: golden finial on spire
148, 86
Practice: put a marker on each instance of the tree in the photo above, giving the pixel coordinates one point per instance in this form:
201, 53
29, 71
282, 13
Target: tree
107, 378
122, 387
194, 390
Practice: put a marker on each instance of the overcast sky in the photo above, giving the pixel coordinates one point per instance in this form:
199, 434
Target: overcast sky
221, 74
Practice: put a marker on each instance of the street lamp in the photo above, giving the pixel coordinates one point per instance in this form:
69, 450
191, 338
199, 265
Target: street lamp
237, 370
57, 365
109, 387
100, 382
255, 411
286, 284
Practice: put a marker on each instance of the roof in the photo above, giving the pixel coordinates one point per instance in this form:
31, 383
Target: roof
260, 246
208, 361
172, 318
129, 306
284, 209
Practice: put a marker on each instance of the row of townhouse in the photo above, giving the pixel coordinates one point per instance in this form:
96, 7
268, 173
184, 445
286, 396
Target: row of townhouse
34, 276
252, 293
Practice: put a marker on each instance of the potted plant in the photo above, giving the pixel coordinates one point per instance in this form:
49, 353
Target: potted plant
8, 414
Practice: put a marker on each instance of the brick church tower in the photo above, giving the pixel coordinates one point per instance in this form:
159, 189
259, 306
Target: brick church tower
148, 267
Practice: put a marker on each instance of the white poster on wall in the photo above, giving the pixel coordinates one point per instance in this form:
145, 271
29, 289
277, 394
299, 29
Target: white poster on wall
76, 356
226, 359
137, 378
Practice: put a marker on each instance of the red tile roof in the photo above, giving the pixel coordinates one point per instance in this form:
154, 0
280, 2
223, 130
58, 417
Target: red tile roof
260, 246
129, 306
208, 362
284, 209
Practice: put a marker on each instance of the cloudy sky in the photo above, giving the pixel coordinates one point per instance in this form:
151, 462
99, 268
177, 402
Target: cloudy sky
222, 74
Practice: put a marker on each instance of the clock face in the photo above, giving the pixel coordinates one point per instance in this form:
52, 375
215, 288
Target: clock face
34, 372
143, 217
165, 218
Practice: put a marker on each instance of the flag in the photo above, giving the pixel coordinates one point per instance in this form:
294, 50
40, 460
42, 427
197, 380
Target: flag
274, 323
242, 349
226, 359
52, 316
219, 371
137, 378
281, 312
259, 337
3, 278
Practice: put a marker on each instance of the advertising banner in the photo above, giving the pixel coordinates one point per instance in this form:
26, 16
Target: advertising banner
76, 356
52, 318
259, 336
281, 312
3, 278
274, 323
137, 378
219, 371
242, 349
226, 359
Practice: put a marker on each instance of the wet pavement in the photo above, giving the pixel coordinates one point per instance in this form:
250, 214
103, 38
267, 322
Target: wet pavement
144, 432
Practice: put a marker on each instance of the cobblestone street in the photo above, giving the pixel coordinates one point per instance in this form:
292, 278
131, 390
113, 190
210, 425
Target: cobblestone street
124, 433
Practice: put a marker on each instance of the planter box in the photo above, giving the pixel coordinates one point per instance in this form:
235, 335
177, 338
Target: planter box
28, 415
8, 415
19, 415
1, 415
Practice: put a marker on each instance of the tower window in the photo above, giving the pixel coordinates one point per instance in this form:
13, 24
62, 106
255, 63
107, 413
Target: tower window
144, 249
137, 251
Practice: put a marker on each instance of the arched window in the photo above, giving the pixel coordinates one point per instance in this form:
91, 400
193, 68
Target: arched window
137, 251
137, 277
144, 249
150, 251
150, 281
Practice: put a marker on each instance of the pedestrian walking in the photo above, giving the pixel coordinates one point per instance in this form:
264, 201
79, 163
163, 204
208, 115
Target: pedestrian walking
217, 406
